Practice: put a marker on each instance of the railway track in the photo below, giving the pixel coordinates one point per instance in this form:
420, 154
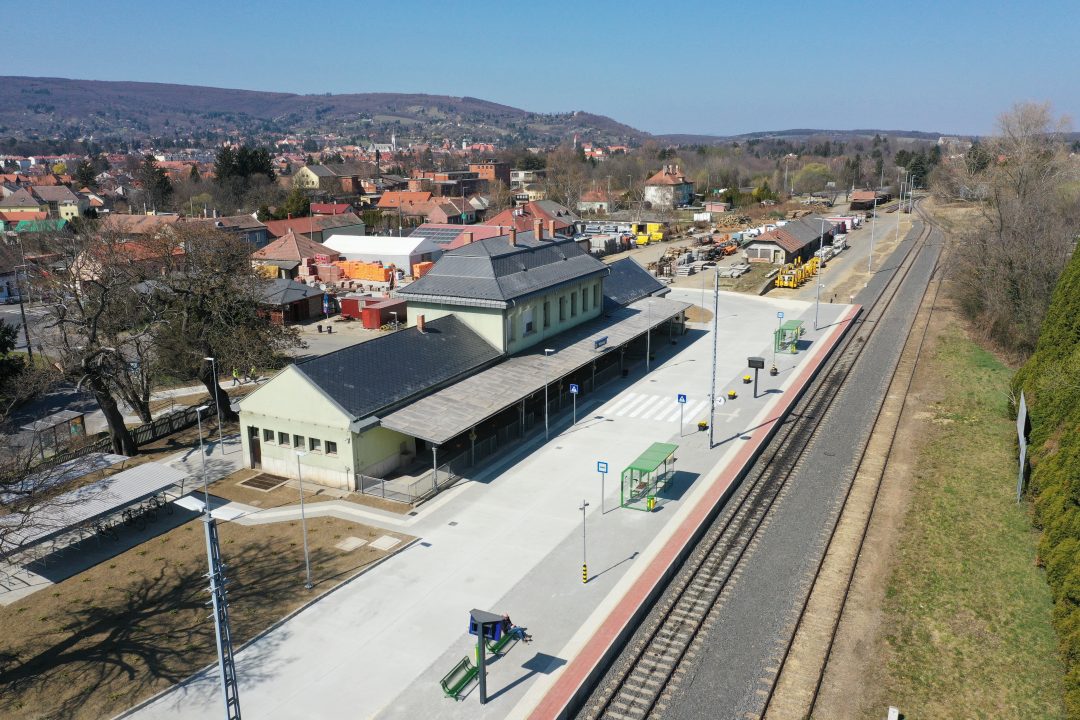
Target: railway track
647, 672
805, 657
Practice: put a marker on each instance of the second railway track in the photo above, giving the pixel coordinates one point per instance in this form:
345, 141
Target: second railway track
648, 670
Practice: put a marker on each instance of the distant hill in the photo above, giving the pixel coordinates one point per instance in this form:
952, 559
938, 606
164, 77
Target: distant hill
58, 108
74, 108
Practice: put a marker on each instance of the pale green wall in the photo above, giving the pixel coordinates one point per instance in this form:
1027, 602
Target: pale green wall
378, 451
290, 403
487, 322
494, 324
515, 316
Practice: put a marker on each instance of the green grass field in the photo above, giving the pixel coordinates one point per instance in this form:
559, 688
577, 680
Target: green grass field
967, 612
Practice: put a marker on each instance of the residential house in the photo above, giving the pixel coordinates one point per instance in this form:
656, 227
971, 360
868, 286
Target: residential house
668, 189
288, 253
246, 226
63, 203
317, 228
521, 178
867, 199
397, 198
548, 211
594, 201
331, 208
315, 177
23, 200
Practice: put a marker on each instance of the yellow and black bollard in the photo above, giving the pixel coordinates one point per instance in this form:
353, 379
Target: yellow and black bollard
584, 573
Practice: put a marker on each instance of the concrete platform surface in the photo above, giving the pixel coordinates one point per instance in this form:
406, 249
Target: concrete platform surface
511, 542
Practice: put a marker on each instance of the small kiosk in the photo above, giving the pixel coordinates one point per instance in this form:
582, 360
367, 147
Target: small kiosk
786, 337
645, 477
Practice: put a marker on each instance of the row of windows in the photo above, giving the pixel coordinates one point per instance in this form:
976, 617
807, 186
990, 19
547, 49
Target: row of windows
528, 325
296, 441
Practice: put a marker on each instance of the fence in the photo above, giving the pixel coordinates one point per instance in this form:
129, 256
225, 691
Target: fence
142, 435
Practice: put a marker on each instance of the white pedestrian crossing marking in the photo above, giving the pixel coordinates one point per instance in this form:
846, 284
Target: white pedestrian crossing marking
657, 408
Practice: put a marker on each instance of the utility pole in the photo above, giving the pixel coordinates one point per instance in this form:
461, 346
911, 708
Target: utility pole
715, 325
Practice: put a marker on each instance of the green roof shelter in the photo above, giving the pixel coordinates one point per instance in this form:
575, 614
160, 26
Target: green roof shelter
786, 337
650, 473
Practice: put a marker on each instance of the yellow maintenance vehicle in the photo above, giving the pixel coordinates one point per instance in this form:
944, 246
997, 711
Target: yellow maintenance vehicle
645, 233
795, 274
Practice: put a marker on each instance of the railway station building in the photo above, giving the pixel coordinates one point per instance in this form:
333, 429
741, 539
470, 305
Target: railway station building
493, 328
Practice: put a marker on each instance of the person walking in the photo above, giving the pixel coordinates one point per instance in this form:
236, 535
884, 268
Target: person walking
252, 376
235, 377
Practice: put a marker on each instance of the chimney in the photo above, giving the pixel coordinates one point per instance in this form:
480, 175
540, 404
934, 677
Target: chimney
551, 229
468, 237
538, 229
420, 324
513, 236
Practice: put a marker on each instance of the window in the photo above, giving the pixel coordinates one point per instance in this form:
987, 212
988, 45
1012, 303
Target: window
547, 313
268, 435
573, 304
562, 308
527, 320
584, 300
314, 445
510, 334
596, 295
283, 438
331, 447
298, 441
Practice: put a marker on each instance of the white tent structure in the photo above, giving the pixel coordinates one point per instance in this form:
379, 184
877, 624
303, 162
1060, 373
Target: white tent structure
402, 252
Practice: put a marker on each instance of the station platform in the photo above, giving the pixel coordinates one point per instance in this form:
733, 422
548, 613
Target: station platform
511, 541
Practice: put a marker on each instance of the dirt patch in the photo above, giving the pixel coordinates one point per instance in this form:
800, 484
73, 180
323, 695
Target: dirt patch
288, 493
698, 314
113, 635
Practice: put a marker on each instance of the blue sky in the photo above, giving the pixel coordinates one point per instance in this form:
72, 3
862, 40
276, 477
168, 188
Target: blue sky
710, 67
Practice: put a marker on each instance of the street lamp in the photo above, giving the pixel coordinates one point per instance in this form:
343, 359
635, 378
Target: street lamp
817, 305
547, 353
584, 564
648, 334
303, 519
217, 405
202, 452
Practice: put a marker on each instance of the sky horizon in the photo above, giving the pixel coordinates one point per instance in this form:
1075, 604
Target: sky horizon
951, 67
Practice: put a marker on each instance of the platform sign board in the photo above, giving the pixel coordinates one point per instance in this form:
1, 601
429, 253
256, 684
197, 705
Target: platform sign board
780, 315
682, 399
599, 342
601, 466
1021, 436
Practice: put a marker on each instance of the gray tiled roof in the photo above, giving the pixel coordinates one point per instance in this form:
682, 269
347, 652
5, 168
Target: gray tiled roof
494, 271
284, 292
378, 374
628, 282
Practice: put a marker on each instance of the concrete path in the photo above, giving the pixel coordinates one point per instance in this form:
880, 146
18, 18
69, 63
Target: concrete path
510, 541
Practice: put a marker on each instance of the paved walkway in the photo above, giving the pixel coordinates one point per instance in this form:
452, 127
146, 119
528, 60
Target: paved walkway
511, 541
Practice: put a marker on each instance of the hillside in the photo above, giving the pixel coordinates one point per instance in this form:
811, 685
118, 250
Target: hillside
52, 107
1050, 384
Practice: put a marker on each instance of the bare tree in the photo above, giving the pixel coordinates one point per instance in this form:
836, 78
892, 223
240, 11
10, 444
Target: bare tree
1006, 261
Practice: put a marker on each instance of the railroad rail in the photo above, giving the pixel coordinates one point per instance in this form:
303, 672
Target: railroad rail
647, 672
798, 686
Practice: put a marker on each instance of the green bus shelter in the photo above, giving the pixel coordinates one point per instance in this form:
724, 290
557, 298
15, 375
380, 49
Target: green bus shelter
786, 337
650, 473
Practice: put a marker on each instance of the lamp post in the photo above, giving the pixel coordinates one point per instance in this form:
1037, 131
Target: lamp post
817, 304
648, 335
303, 519
202, 453
873, 229
547, 353
22, 308
217, 405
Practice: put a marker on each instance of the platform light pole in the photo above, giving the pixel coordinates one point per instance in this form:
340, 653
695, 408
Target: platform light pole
648, 335
584, 563
202, 452
548, 352
873, 230
817, 305
303, 519
715, 326
217, 405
